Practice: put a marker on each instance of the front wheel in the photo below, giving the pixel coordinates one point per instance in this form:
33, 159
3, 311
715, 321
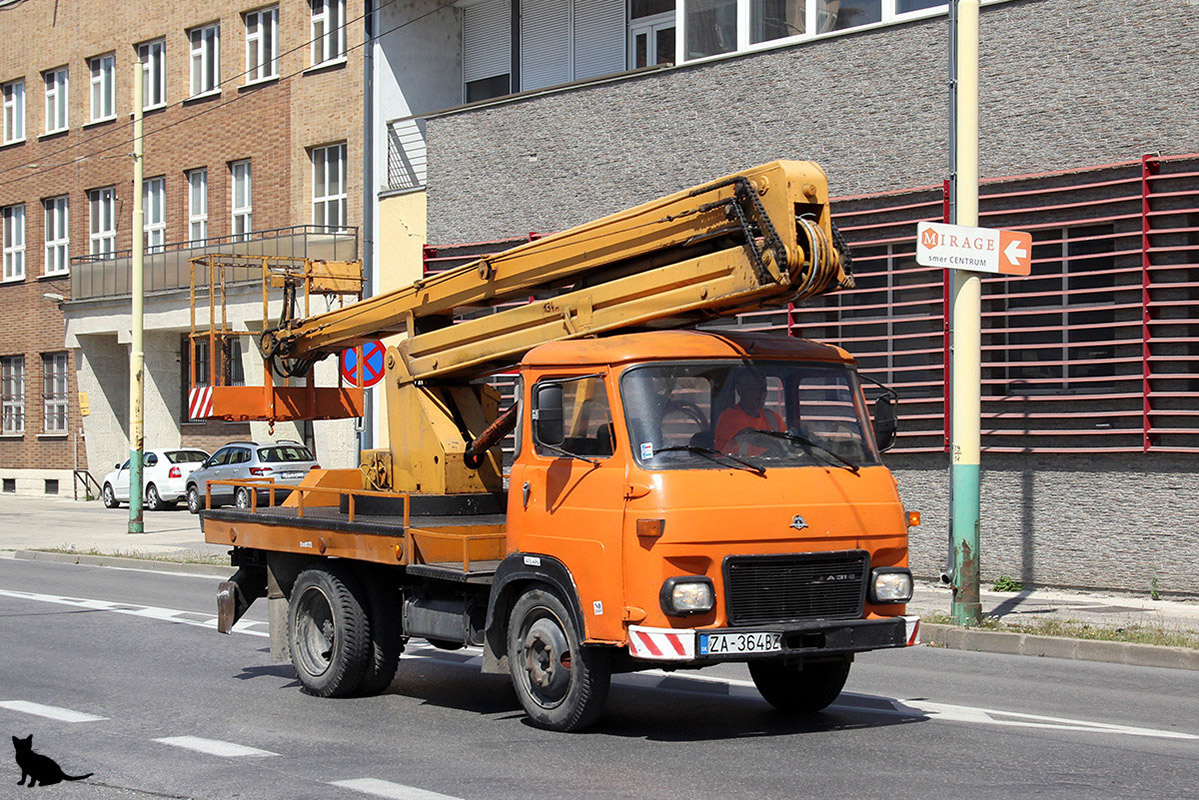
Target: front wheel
328, 630
562, 684
110, 499
194, 503
799, 689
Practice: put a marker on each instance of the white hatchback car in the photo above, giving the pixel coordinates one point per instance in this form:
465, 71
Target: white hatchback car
164, 474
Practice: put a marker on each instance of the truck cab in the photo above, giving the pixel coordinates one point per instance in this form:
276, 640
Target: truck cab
707, 496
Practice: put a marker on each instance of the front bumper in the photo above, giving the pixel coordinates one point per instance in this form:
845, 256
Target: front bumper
798, 639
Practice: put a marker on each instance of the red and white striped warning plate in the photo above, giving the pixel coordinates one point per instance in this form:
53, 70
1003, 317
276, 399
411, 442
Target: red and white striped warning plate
662, 644
912, 625
199, 402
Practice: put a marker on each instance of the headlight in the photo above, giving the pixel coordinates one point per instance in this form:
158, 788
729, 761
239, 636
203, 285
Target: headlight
687, 595
891, 585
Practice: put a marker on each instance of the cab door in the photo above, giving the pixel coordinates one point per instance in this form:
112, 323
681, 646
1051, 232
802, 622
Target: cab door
567, 494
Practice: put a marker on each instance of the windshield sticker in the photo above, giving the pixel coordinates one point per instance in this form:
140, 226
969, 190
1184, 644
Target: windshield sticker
647, 450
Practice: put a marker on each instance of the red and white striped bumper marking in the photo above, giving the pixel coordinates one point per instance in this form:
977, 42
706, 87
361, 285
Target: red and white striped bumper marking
662, 644
913, 630
199, 402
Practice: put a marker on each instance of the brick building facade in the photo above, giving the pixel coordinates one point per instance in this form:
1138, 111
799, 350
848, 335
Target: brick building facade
242, 102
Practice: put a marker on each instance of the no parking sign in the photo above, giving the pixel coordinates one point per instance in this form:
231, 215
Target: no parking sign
372, 364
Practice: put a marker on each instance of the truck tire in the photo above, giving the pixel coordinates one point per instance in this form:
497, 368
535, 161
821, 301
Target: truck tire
799, 689
328, 630
562, 685
386, 639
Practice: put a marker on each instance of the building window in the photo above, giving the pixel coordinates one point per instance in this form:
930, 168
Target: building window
54, 392
262, 44
777, 19
103, 87
205, 59
329, 186
571, 40
197, 205
486, 50
56, 99
651, 32
14, 111
12, 394
58, 238
154, 73
14, 242
243, 205
102, 231
154, 214
328, 30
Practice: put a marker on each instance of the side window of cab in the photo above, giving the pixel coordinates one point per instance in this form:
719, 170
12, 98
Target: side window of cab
572, 416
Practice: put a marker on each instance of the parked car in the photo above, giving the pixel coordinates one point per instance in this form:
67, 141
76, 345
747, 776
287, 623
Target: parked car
164, 476
283, 462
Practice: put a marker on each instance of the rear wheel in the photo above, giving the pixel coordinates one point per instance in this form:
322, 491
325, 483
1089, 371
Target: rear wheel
110, 499
386, 637
328, 630
241, 498
799, 688
153, 501
562, 685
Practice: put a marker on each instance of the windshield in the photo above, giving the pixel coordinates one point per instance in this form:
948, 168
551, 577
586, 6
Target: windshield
696, 415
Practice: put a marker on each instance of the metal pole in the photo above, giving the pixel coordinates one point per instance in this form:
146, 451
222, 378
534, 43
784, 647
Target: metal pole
366, 435
965, 336
137, 355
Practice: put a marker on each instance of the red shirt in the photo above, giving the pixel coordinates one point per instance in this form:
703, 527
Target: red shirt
734, 420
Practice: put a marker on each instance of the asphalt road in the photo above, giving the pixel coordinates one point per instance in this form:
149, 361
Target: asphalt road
120, 673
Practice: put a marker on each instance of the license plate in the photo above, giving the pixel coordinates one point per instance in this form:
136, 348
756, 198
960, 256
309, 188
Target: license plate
291, 475
716, 644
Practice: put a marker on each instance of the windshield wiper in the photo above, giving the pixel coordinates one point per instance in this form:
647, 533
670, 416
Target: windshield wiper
805, 441
713, 455
555, 448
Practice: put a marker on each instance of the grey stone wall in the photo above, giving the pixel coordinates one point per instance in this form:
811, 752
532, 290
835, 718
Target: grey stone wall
1065, 83
1114, 522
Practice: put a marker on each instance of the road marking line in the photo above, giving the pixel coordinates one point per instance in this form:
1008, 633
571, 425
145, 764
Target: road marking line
214, 747
991, 716
149, 612
393, 791
50, 712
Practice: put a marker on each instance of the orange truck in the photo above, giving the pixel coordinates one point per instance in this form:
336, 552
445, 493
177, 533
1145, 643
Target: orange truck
676, 498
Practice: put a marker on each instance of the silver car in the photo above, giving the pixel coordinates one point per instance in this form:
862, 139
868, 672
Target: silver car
283, 462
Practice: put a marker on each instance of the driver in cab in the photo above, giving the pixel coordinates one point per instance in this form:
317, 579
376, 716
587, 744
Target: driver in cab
747, 414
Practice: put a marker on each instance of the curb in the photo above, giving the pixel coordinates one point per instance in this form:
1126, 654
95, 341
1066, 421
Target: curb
1027, 644
150, 565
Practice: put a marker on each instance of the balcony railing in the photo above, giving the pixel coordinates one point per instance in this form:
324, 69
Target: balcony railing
167, 268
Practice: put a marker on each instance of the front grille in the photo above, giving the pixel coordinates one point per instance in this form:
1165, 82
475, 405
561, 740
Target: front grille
765, 589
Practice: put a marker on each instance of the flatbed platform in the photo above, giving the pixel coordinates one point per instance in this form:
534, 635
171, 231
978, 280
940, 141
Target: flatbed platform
331, 518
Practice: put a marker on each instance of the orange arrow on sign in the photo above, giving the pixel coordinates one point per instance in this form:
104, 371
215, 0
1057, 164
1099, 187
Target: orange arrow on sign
1015, 253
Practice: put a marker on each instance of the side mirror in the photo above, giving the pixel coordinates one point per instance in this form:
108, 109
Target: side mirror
885, 423
547, 414
117, 466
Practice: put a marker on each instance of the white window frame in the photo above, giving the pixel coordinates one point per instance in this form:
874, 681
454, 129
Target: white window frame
262, 44
329, 186
58, 107
13, 222
816, 19
649, 27
12, 395
55, 383
242, 209
328, 32
154, 213
103, 87
14, 111
154, 74
205, 61
102, 221
197, 205
57, 214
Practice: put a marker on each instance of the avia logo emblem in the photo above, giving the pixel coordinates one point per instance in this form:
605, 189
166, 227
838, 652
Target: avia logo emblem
798, 523
930, 239
835, 577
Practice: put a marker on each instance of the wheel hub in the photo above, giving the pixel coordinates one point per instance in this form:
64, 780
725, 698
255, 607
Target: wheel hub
547, 660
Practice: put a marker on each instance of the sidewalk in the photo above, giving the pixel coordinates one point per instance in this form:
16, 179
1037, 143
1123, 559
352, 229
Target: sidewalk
31, 523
